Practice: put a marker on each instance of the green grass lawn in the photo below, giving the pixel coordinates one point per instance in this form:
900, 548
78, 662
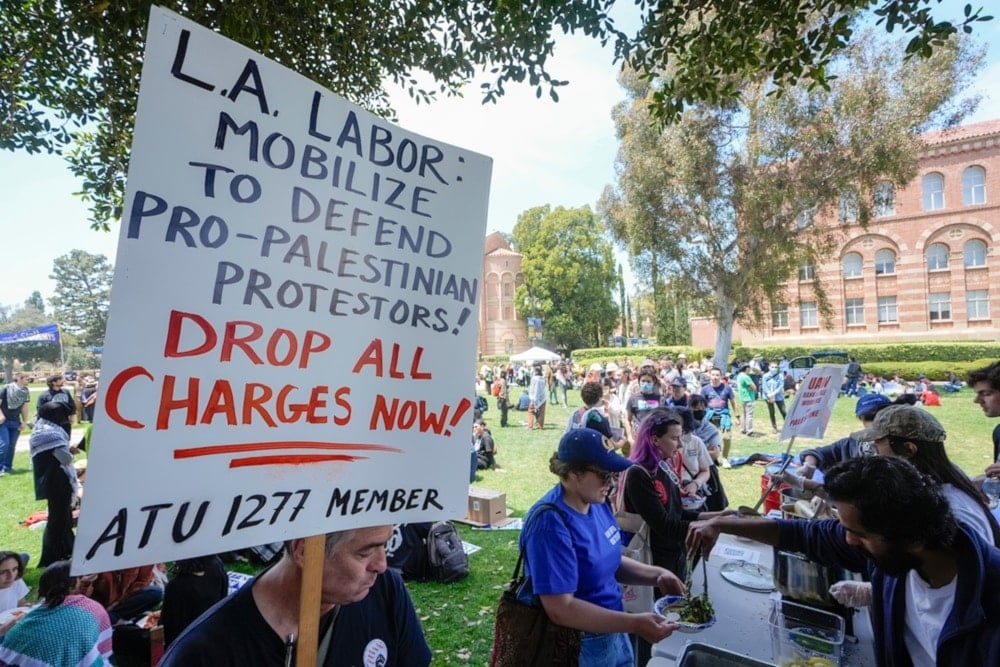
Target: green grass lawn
458, 618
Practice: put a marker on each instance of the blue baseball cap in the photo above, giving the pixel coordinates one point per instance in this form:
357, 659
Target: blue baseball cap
585, 445
869, 402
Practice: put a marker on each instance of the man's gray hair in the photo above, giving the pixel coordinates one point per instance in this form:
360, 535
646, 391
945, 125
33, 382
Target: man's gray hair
333, 542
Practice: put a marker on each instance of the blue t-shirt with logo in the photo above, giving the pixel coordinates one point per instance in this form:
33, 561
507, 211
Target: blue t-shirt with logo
569, 552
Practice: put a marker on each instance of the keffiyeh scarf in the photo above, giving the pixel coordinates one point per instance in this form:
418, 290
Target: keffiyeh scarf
16, 396
76, 632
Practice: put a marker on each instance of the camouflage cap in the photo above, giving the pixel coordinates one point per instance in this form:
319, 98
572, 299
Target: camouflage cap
907, 422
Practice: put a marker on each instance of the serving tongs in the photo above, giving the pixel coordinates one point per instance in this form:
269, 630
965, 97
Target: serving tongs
692, 563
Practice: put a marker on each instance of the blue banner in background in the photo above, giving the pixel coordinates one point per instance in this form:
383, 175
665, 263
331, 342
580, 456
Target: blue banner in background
46, 334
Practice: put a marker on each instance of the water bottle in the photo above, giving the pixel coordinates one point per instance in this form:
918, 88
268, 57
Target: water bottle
991, 487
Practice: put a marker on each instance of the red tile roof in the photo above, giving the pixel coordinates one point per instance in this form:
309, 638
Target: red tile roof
962, 132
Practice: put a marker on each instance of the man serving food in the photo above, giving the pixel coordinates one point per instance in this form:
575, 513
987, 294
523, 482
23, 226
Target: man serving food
936, 583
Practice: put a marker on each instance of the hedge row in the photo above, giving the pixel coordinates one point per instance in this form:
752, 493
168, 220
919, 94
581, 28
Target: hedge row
602, 355
947, 353
907, 360
936, 371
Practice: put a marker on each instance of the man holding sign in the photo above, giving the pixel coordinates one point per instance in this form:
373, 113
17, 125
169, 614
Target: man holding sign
367, 617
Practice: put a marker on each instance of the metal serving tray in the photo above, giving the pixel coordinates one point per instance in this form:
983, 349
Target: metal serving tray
703, 655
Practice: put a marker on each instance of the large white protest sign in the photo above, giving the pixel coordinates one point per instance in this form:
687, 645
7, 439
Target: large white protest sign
813, 405
293, 319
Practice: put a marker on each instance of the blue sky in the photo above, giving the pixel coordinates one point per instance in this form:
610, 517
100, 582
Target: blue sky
544, 153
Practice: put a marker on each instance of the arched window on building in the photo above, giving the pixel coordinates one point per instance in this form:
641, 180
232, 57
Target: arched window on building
933, 186
852, 265
974, 253
884, 199
937, 257
974, 186
885, 262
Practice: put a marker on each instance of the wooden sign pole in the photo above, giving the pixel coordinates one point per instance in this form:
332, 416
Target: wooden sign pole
310, 593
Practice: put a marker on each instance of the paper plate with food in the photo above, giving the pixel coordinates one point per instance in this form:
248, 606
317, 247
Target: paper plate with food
690, 614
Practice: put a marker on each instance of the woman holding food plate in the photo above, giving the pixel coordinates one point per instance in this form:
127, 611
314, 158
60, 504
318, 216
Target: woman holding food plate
574, 559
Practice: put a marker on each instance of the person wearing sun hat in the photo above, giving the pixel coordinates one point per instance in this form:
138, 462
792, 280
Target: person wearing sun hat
912, 433
573, 554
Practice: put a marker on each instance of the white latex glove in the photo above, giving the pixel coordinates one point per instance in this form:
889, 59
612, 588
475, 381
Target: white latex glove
807, 470
792, 480
852, 593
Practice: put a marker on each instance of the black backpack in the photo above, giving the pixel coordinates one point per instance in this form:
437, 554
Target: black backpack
446, 558
427, 551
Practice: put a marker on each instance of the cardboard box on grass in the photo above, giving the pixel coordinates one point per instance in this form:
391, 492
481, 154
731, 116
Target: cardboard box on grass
487, 506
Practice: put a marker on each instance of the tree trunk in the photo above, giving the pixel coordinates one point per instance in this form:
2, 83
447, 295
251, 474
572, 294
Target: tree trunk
725, 316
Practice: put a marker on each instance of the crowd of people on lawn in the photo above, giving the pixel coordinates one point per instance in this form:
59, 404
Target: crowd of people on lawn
921, 532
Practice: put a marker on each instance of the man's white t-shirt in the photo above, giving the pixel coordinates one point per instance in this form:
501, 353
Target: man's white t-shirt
926, 611
928, 608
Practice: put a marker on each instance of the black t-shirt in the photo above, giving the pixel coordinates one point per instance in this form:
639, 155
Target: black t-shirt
382, 630
639, 405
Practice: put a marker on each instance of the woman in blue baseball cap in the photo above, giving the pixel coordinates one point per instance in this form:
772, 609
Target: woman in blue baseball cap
573, 554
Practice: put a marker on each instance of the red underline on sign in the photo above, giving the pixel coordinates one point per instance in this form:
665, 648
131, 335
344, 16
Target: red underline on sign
291, 459
237, 448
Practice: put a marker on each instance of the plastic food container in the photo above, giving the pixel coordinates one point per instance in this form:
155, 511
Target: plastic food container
802, 636
703, 655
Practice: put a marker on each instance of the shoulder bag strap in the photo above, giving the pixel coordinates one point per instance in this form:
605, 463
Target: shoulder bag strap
544, 507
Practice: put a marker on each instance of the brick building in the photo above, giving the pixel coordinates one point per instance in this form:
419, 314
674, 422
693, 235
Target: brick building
922, 270
501, 331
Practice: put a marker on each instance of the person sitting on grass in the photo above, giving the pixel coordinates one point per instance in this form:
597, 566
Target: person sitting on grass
126, 594
195, 585
65, 629
13, 590
486, 449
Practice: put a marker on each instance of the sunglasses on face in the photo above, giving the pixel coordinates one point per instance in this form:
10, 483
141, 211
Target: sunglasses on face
606, 476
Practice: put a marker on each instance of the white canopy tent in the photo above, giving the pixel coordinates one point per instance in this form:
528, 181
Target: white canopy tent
535, 354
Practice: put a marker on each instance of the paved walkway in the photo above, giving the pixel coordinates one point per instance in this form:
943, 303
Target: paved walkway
75, 437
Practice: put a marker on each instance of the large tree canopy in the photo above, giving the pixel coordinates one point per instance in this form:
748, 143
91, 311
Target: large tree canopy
83, 295
569, 275
725, 202
69, 72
